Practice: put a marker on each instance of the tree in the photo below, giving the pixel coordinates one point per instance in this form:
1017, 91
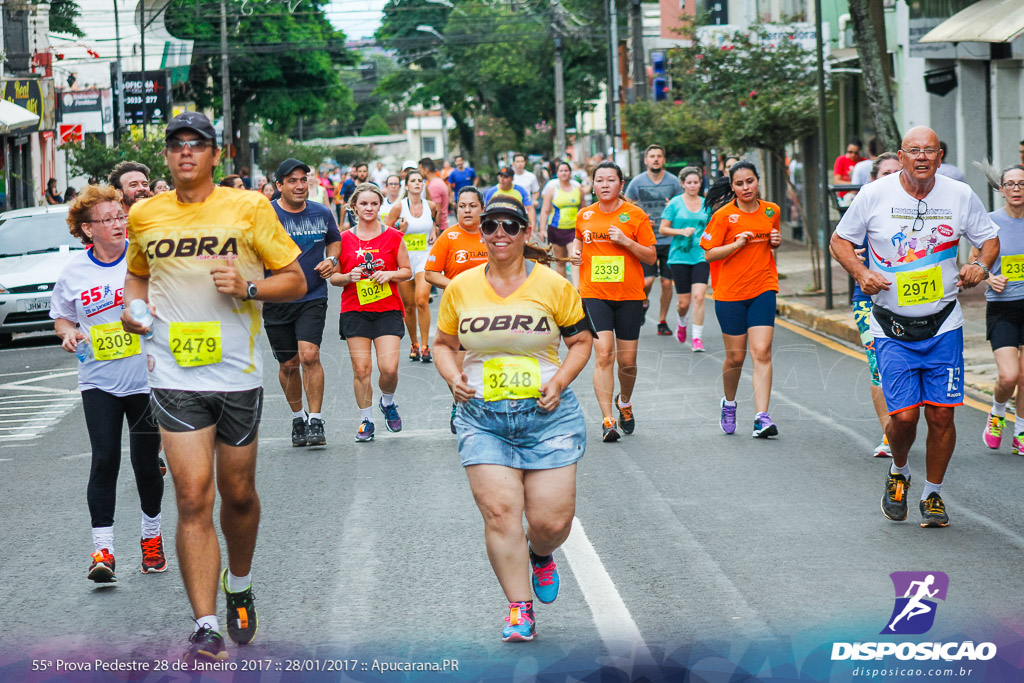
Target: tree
63, 17
94, 159
375, 125
869, 32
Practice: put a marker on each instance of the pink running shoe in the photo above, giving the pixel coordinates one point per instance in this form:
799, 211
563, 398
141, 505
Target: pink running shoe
681, 333
993, 434
1018, 444
698, 345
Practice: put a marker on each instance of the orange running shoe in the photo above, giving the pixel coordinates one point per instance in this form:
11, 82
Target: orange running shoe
102, 568
153, 558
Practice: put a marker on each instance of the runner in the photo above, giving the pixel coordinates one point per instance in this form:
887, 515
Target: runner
436, 191
392, 193
525, 179
86, 306
739, 243
613, 238
684, 219
562, 201
131, 179
651, 191
373, 261
295, 329
416, 219
458, 249
506, 186
463, 175
916, 319
197, 256
1004, 313
521, 429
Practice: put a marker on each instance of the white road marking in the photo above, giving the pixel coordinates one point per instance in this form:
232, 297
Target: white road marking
614, 623
32, 414
76, 456
868, 444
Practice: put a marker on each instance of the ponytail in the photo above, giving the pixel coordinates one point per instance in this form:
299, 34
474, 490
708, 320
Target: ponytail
542, 255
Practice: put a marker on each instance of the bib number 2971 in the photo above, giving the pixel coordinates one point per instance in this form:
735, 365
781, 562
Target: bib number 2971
920, 286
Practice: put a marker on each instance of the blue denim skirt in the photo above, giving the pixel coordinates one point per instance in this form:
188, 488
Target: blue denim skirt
516, 433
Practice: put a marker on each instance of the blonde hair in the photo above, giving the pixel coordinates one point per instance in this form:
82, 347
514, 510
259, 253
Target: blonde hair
361, 188
81, 208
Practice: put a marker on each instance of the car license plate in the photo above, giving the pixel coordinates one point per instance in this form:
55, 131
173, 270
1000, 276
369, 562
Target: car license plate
40, 304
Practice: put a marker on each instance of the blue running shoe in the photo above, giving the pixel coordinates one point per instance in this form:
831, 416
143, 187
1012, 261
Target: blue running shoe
520, 626
545, 581
764, 427
728, 422
365, 431
391, 419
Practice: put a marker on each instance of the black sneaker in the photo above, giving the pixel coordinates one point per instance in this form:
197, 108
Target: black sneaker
894, 502
315, 435
609, 432
242, 621
299, 431
933, 512
205, 644
626, 419
663, 330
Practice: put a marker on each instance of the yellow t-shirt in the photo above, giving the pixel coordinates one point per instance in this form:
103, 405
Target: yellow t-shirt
524, 325
176, 245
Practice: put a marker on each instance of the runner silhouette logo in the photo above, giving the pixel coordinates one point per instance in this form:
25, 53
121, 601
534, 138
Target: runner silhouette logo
916, 593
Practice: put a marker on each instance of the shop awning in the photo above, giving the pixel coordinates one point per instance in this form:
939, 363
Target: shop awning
987, 21
13, 117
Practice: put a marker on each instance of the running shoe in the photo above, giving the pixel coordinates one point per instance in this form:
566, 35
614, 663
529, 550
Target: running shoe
451, 422
728, 421
299, 431
545, 581
365, 431
315, 435
520, 625
242, 621
993, 434
698, 345
609, 431
882, 450
663, 330
153, 558
414, 352
647, 303
626, 417
205, 644
1018, 444
102, 568
391, 419
764, 427
163, 467
681, 333
894, 502
425, 356
933, 512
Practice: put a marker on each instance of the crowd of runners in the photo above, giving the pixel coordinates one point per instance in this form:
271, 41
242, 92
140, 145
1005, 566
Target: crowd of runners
166, 309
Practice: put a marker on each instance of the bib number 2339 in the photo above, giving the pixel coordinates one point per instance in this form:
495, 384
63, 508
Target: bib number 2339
920, 287
195, 344
608, 269
511, 377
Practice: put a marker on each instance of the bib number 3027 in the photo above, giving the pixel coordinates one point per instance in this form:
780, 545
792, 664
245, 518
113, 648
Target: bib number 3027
370, 291
920, 286
511, 377
111, 342
1012, 267
608, 269
194, 344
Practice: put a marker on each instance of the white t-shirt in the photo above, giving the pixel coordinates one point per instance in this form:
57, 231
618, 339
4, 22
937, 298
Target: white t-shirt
380, 177
861, 173
885, 215
554, 183
527, 181
89, 292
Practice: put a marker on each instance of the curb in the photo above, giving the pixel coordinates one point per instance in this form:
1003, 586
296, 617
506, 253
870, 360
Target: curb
834, 324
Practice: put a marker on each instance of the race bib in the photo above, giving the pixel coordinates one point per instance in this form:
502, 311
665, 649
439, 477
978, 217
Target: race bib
370, 291
1012, 267
511, 377
608, 269
110, 342
920, 286
195, 344
417, 242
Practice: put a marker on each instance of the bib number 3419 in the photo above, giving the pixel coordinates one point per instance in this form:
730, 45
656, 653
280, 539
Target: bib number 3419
511, 377
195, 344
920, 286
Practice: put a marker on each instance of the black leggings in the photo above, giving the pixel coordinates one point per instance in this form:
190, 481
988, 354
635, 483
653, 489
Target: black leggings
104, 417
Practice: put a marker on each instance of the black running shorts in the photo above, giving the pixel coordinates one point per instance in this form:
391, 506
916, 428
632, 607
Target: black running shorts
289, 323
235, 413
622, 317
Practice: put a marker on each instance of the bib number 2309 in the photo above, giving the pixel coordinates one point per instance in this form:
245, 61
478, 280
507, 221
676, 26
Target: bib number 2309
920, 287
510, 377
111, 342
195, 344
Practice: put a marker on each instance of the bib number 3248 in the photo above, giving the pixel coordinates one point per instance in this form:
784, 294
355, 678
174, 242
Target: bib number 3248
511, 377
920, 286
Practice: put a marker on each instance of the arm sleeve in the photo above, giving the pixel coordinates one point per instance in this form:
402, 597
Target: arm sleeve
447, 312
853, 227
138, 263
61, 304
669, 214
714, 233
438, 255
644, 233
333, 234
631, 190
527, 199
980, 227
569, 308
275, 246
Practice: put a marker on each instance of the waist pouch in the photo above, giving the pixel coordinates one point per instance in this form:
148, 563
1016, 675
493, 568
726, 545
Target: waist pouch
901, 327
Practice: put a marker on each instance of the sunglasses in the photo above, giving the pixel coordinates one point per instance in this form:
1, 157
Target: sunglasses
176, 145
511, 228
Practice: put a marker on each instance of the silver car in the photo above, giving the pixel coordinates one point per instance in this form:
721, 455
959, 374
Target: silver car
35, 245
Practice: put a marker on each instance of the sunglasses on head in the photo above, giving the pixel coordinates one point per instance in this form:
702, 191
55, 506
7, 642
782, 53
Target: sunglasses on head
511, 228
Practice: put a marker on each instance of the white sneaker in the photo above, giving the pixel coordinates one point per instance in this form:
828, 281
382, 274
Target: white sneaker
882, 450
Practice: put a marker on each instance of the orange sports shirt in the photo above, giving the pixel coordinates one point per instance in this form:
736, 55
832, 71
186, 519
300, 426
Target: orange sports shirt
455, 251
751, 270
602, 257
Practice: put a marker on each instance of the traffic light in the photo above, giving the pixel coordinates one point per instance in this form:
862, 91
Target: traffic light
659, 82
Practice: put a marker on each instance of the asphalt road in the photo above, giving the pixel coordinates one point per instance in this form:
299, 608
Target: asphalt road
691, 548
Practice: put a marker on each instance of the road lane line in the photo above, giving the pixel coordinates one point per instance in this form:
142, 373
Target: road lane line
41, 390
614, 623
53, 375
824, 419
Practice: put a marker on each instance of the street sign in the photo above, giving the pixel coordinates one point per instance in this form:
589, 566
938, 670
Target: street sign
69, 132
147, 96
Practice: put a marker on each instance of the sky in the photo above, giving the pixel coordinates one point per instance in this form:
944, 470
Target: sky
357, 18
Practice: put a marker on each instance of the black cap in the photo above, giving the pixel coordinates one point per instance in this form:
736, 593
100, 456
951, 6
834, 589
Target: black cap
504, 205
286, 167
506, 170
191, 120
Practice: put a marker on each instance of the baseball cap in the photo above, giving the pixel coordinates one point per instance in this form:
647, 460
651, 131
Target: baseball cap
502, 204
409, 163
191, 120
287, 166
506, 170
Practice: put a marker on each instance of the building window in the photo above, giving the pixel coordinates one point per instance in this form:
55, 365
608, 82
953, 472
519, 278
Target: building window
429, 146
936, 9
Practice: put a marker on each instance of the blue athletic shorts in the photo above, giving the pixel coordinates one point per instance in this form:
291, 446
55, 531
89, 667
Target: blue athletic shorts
736, 317
929, 371
862, 316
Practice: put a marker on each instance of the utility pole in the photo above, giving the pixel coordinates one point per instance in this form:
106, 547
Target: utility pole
613, 82
559, 100
142, 38
119, 80
225, 83
636, 16
824, 171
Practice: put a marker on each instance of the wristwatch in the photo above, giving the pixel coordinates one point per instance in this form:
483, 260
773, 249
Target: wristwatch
983, 267
250, 291
334, 260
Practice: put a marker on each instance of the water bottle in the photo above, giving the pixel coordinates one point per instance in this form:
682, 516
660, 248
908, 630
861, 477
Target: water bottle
140, 313
83, 351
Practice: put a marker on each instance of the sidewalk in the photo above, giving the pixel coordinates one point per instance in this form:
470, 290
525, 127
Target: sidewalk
800, 304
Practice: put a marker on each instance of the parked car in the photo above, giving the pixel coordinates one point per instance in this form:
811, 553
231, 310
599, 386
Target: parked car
34, 247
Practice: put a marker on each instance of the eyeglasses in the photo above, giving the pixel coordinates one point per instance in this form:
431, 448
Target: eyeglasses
111, 222
176, 145
917, 151
920, 215
511, 228
1010, 185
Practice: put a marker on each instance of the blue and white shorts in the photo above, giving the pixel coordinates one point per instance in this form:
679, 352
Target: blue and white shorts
929, 371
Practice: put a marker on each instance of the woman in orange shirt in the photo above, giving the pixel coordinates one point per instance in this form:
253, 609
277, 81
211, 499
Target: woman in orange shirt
739, 243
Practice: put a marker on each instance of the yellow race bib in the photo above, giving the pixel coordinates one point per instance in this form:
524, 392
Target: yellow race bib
110, 342
370, 291
919, 286
417, 242
1012, 267
607, 268
511, 377
195, 344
